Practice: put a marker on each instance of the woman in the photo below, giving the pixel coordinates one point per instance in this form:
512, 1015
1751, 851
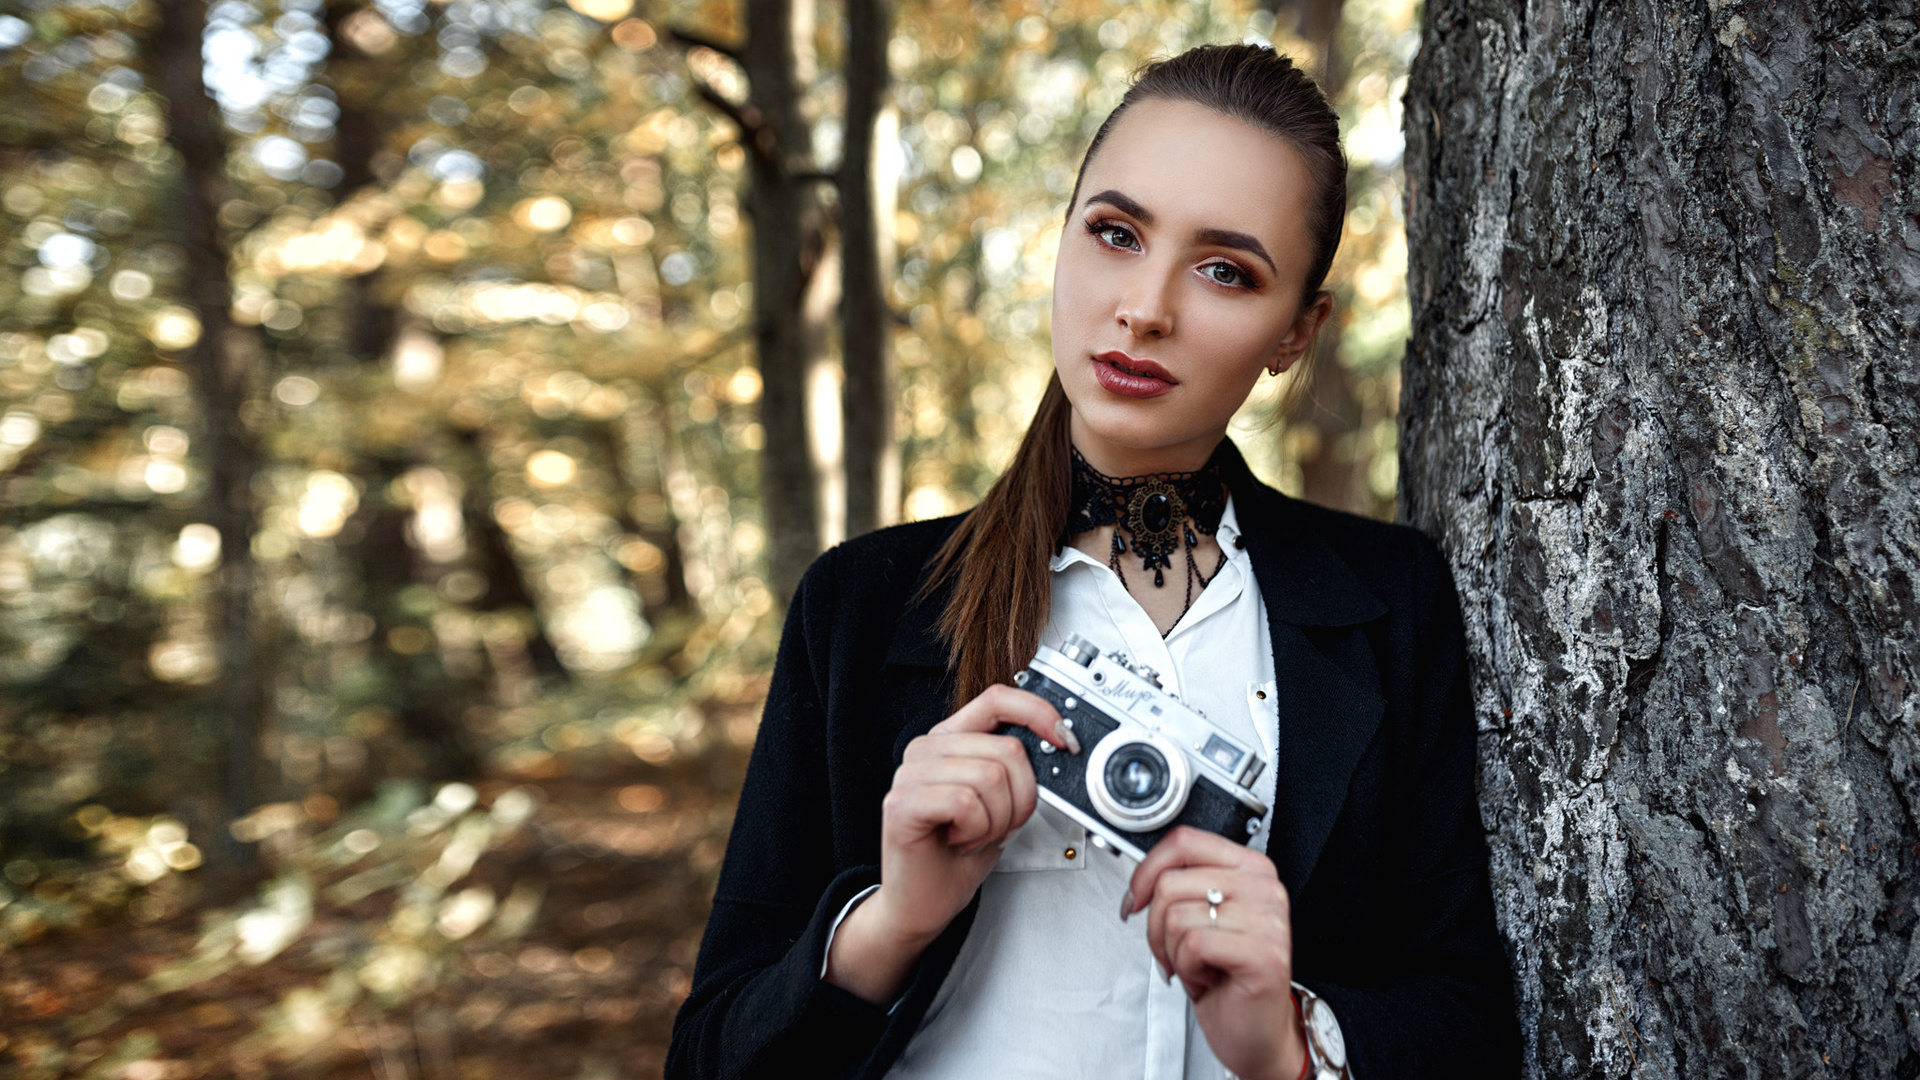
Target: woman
896, 901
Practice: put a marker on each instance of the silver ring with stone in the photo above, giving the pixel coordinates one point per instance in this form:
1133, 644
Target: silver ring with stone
1214, 899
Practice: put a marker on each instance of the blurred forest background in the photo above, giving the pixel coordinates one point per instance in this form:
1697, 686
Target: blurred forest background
412, 415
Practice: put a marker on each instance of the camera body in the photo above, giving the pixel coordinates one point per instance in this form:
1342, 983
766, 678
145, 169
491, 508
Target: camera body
1147, 762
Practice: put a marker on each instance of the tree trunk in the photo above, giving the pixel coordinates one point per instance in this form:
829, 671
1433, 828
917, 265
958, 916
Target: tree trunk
866, 318
1662, 408
1332, 470
220, 365
789, 240
1318, 23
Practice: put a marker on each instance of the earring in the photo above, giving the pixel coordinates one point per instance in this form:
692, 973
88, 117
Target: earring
1273, 368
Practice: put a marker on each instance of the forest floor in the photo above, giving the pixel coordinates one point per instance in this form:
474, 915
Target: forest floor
557, 946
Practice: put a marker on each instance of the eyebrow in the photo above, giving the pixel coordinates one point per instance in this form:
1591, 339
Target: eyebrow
1218, 237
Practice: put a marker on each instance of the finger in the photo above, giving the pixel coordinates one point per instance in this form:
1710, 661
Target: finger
1022, 787
1000, 704
1184, 847
1195, 974
1205, 958
1193, 883
1267, 935
1011, 753
988, 777
939, 743
931, 808
1165, 917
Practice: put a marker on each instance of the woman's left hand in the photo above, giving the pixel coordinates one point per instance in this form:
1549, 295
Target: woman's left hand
1237, 964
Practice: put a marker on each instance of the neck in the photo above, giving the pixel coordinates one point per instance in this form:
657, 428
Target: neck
1115, 459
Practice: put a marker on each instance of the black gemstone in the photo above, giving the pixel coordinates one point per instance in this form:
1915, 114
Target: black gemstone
1157, 514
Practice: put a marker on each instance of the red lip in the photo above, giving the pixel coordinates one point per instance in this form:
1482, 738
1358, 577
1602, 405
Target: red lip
1122, 374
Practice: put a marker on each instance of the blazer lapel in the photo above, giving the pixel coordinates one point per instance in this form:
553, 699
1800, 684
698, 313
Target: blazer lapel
1328, 691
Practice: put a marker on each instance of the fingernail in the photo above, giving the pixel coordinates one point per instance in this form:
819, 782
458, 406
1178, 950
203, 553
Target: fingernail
1067, 736
1126, 905
1165, 975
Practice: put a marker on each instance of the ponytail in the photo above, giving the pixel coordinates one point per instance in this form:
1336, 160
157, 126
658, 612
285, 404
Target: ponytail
1000, 558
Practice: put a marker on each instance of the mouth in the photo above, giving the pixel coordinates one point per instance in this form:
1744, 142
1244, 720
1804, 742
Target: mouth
1144, 369
1126, 376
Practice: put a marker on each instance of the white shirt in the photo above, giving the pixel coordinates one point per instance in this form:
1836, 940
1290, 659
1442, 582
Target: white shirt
1050, 983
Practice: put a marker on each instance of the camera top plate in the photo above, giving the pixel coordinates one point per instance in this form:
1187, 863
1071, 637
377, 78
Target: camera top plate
1121, 688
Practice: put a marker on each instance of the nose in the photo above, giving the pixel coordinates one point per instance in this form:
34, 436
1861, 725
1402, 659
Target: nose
1146, 309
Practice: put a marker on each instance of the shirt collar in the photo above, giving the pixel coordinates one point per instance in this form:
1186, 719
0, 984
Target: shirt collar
1226, 534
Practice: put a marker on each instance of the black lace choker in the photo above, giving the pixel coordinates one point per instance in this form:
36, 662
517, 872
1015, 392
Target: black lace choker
1157, 511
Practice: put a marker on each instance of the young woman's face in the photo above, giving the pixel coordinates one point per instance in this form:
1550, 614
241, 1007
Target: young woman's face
1178, 283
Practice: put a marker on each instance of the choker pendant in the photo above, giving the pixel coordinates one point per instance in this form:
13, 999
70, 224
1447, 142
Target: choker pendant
1152, 511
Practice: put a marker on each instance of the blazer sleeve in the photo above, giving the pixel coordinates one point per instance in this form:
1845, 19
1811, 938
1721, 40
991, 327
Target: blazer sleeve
1448, 1010
757, 1004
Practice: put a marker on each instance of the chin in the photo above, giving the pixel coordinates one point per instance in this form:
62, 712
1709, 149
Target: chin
1125, 427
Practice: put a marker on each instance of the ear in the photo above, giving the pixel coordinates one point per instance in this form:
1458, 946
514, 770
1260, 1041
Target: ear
1306, 326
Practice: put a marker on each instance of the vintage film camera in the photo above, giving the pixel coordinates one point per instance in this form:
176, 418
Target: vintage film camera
1147, 762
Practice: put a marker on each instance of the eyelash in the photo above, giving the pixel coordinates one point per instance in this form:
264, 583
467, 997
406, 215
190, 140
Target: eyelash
1247, 283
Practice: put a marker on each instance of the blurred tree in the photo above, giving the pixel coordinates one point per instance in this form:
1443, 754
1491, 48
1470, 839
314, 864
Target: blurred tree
792, 269
1326, 408
867, 184
221, 362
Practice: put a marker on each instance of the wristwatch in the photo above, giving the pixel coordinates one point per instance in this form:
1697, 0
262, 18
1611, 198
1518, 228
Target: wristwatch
1326, 1047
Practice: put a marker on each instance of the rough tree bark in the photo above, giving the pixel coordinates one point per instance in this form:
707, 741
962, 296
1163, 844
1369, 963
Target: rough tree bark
866, 318
218, 364
1662, 408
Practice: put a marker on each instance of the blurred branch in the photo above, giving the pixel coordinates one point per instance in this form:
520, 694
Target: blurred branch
752, 125
696, 40
727, 342
23, 514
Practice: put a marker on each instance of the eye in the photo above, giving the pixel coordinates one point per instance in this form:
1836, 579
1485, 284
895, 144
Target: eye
1226, 273
1113, 235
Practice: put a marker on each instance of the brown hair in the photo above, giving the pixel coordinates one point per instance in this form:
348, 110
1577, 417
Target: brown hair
992, 621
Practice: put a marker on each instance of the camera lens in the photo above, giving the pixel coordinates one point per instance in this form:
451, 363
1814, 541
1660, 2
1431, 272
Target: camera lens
1137, 780
1137, 776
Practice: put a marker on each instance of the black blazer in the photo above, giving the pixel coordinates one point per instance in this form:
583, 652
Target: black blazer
1376, 830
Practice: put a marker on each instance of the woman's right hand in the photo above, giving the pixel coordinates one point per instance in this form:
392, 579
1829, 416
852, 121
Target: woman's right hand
959, 794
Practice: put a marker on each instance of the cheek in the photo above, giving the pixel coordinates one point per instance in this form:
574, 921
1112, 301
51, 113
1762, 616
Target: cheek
1072, 286
1243, 345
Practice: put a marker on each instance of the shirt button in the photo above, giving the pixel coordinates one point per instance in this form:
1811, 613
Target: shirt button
1070, 853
